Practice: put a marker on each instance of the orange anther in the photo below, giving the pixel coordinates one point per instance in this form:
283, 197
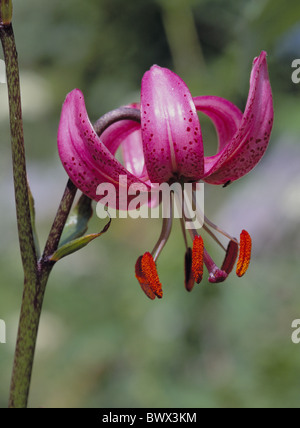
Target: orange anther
197, 258
245, 253
146, 274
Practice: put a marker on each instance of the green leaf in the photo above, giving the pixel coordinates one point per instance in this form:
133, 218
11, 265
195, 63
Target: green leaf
32, 216
77, 223
76, 244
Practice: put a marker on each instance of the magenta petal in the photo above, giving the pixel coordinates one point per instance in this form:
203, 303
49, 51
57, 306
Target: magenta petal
170, 127
133, 155
225, 116
115, 134
247, 146
126, 134
134, 161
86, 159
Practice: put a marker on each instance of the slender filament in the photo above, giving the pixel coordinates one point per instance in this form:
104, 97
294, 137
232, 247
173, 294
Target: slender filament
165, 231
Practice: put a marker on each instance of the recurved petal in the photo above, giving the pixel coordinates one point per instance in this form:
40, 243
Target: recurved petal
133, 154
226, 117
170, 128
247, 146
86, 159
126, 134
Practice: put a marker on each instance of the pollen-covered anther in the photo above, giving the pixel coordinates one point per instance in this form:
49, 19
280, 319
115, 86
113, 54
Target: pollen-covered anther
244, 254
197, 258
146, 274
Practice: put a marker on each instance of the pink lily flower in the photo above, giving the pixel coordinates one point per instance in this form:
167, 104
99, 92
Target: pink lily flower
167, 147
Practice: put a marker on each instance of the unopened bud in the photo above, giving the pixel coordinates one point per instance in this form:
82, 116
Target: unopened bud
5, 12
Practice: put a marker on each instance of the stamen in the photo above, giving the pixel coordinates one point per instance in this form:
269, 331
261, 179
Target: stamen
189, 280
230, 257
212, 225
146, 274
197, 258
245, 253
213, 236
165, 231
218, 229
182, 224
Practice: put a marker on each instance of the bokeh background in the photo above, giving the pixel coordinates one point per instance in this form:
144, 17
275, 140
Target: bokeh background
101, 342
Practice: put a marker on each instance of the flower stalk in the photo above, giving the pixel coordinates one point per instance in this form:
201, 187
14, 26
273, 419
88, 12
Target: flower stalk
36, 269
31, 300
26, 239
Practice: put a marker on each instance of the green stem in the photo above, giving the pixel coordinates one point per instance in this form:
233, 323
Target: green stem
26, 340
31, 308
59, 222
27, 246
36, 272
25, 345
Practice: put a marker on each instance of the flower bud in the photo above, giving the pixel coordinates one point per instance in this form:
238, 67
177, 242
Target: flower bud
5, 12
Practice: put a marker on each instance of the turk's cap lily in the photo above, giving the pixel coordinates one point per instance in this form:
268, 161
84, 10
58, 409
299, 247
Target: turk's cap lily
167, 147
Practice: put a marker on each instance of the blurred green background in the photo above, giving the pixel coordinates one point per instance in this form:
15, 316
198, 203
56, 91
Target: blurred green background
101, 342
